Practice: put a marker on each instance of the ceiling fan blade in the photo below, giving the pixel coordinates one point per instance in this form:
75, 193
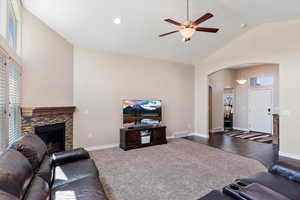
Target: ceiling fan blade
173, 22
210, 30
202, 19
167, 33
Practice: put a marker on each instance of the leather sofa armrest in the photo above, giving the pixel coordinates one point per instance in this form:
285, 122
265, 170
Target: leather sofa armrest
69, 156
286, 170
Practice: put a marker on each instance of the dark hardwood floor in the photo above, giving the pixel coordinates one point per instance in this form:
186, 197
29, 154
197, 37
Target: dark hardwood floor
267, 154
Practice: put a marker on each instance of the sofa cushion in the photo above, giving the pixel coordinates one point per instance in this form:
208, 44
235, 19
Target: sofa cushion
277, 183
7, 196
15, 173
32, 147
73, 171
38, 190
88, 188
46, 171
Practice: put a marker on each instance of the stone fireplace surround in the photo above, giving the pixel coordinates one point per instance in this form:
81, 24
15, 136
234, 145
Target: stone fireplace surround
41, 116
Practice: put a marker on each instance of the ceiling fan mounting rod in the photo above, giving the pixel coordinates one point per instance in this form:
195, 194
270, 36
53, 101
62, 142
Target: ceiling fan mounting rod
188, 11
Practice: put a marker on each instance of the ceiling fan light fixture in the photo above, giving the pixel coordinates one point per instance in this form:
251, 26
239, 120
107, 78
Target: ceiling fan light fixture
187, 30
117, 20
187, 33
241, 82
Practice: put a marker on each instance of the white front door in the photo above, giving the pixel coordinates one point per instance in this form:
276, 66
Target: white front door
260, 110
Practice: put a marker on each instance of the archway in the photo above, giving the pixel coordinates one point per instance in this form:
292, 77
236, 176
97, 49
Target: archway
229, 103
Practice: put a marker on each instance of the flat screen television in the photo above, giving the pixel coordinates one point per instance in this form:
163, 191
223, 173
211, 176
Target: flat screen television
141, 112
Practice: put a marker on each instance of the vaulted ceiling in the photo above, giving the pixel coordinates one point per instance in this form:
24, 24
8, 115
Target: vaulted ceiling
89, 23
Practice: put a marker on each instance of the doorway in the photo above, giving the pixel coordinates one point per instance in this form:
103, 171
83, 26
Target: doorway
228, 108
260, 110
210, 109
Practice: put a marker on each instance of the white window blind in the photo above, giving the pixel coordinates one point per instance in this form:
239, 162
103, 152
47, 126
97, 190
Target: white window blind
14, 102
3, 101
10, 100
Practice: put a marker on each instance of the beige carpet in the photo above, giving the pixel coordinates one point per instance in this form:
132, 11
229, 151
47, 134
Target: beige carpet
180, 170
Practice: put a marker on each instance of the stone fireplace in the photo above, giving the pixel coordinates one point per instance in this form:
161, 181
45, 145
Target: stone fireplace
54, 125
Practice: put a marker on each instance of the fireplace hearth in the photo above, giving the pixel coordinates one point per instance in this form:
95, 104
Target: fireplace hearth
53, 135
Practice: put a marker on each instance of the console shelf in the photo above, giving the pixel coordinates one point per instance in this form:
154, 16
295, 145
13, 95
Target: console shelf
130, 138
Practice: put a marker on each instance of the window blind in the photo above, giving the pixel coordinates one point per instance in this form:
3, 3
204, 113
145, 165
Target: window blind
14, 101
3, 101
10, 100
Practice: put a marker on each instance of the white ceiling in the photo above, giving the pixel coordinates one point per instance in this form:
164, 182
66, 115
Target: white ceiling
88, 23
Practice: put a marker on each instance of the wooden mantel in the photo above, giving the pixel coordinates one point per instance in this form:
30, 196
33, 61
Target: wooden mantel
38, 111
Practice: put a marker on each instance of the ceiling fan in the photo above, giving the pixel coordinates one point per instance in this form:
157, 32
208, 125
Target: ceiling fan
187, 30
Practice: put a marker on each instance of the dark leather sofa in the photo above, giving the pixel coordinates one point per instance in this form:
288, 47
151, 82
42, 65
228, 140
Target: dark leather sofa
283, 179
28, 172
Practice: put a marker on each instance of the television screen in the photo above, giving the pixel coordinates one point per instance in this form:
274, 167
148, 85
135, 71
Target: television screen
141, 112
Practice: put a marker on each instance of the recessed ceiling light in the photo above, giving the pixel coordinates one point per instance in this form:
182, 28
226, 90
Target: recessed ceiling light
243, 25
117, 20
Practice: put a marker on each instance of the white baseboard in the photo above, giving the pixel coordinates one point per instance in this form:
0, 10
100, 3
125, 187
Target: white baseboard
241, 129
187, 134
100, 147
217, 130
170, 137
180, 134
289, 155
199, 135
109, 146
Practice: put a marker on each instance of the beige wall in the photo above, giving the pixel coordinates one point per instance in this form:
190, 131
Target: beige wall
102, 80
241, 91
219, 81
47, 65
268, 43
